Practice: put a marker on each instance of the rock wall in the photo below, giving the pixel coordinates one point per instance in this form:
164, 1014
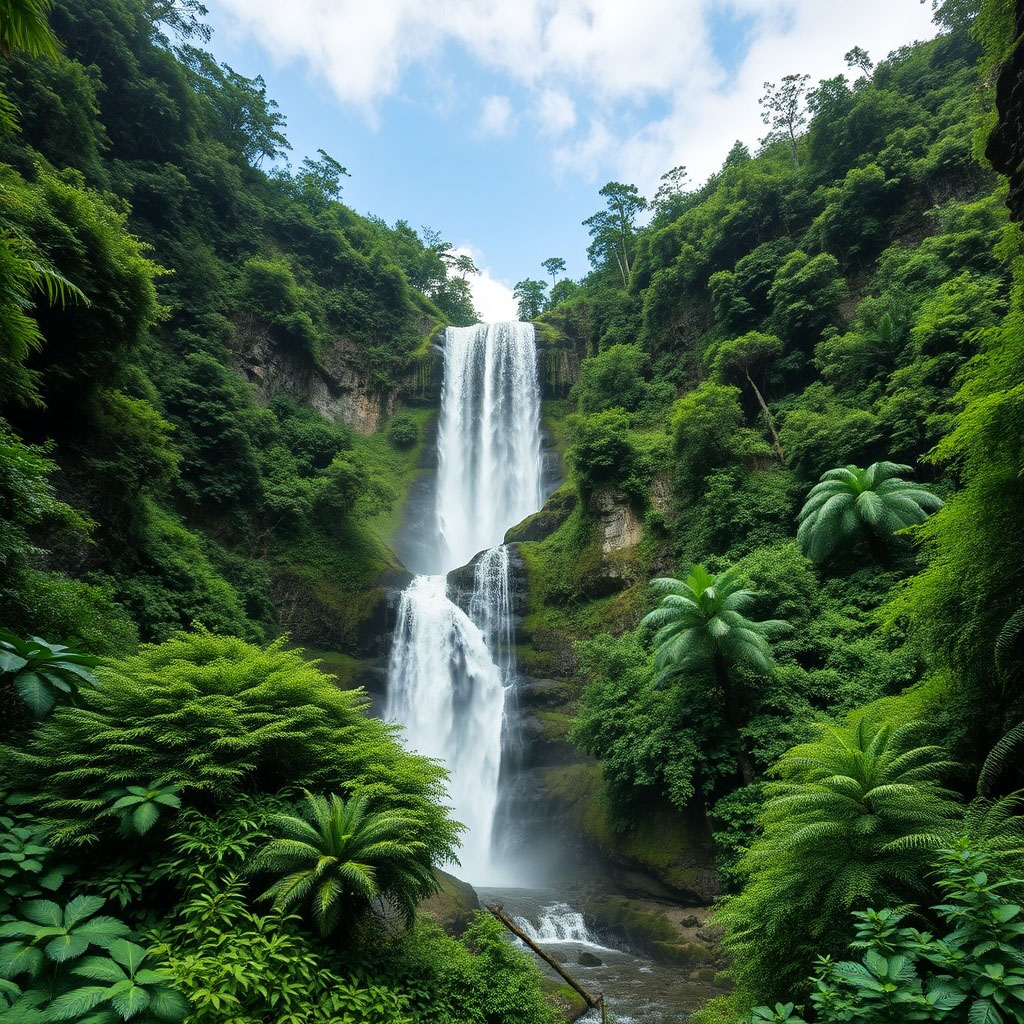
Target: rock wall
336, 384
1005, 147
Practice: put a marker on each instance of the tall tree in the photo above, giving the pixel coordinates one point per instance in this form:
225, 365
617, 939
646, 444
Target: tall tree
613, 228
531, 297
673, 185
554, 266
701, 626
784, 111
743, 357
858, 58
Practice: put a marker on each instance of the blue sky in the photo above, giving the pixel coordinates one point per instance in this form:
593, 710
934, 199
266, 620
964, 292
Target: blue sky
497, 123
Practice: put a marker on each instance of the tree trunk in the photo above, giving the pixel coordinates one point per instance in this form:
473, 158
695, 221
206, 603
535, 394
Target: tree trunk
735, 719
768, 416
625, 281
590, 1000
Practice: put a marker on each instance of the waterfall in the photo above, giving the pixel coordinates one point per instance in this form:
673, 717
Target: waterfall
489, 464
451, 674
558, 923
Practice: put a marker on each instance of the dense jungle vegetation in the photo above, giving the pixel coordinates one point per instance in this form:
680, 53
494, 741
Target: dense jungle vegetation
805, 378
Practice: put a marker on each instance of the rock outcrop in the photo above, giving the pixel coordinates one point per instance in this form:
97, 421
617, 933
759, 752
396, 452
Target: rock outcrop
337, 384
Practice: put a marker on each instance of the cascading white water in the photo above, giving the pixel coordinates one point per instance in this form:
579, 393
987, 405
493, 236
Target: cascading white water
451, 674
488, 444
558, 923
445, 688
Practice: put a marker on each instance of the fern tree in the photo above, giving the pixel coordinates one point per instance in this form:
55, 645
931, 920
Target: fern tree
850, 504
701, 627
341, 857
855, 820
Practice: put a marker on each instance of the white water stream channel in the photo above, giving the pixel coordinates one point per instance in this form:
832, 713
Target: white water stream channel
451, 674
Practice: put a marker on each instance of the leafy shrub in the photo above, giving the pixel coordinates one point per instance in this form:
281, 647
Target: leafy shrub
215, 715
403, 431
973, 974
601, 452
858, 815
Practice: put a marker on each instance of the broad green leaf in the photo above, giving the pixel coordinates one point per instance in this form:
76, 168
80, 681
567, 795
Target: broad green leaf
101, 931
34, 691
66, 947
11, 662
130, 954
76, 1002
132, 1001
44, 912
144, 817
20, 957
80, 908
169, 1004
99, 968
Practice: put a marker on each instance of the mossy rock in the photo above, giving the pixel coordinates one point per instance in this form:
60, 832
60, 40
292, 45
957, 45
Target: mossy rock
682, 954
542, 524
670, 849
453, 905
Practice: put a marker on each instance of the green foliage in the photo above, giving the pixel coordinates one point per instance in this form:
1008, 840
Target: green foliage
403, 431
341, 857
40, 672
234, 964
24, 273
140, 807
613, 379
479, 979
601, 452
27, 503
700, 623
707, 428
856, 818
974, 973
214, 716
49, 932
852, 503
648, 738
50, 941
531, 298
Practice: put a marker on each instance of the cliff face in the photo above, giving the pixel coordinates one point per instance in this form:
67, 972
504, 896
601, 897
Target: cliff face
1005, 147
337, 384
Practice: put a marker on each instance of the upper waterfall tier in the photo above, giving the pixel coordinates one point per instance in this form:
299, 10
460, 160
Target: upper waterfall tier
489, 459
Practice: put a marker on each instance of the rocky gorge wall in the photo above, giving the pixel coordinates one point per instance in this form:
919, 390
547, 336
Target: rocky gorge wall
337, 383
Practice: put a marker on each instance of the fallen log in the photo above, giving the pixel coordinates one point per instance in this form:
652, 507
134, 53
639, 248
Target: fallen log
592, 1002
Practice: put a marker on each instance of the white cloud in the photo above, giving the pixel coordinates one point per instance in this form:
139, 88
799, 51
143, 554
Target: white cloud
495, 116
492, 298
604, 56
556, 112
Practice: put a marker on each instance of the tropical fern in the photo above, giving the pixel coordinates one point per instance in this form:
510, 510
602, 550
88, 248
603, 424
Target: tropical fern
341, 857
855, 819
852, 503
701, 626
217, 717
701, 618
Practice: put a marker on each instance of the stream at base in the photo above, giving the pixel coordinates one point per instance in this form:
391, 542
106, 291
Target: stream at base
636, 990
